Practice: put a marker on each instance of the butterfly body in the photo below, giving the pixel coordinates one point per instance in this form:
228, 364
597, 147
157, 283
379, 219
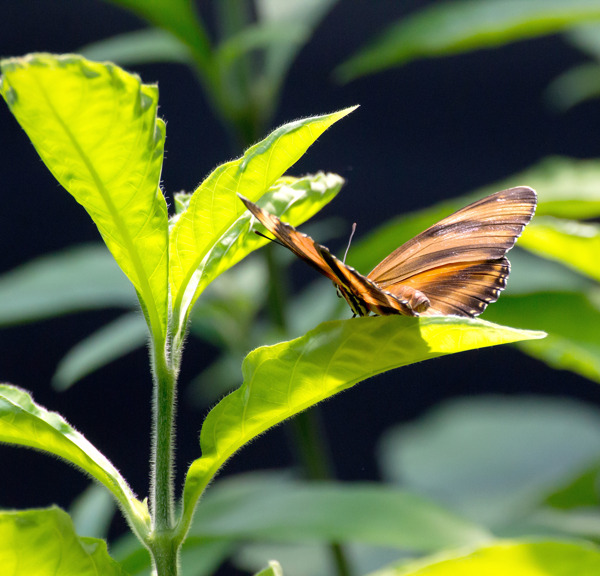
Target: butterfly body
455, 267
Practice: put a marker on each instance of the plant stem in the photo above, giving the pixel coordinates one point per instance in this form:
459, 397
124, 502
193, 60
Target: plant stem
276, 291
310, 441
162, 544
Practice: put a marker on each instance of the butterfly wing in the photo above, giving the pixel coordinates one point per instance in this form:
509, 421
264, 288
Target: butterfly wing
362, 294
459, 262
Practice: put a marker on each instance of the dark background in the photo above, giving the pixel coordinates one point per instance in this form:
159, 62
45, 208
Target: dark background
428, 131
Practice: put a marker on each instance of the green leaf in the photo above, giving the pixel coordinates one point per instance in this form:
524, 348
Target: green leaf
570, 345
83, 277
493, 459
284, 379
280, 31
176, 16
138, 47
297, 200
579, 522
25, 423
92, 511
586, 39
521, 558
456, 27
107, 344
273, 569
43, 543
531, 274
95, 127
577, 85
574, 244
215, 207
267, 507
567, 188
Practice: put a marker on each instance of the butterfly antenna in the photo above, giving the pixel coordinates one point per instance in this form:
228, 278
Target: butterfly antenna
274, 240
349, 241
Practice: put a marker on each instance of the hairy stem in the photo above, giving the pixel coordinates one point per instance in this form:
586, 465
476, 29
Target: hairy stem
162, 543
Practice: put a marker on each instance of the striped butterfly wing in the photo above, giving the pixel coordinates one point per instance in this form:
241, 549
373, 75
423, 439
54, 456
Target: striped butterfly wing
459, 263
362, 294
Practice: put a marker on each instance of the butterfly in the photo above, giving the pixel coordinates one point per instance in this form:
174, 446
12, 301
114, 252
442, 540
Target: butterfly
455, 267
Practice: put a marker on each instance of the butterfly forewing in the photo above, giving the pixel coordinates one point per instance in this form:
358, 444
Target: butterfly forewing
484, 230
455, 267
362, 295
300, 244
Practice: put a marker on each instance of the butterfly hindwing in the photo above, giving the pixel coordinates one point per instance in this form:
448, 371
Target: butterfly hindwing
462, 289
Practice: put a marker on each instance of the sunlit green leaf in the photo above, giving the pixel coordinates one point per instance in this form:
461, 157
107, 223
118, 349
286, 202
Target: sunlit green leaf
215, 207
574, 244
493, 459
533, 558
107, 344
267, 507
274, 569
295, 201
138, 47
43, 543
447, 28
25, 423
284, 379
84, 277
95, 128
570, 345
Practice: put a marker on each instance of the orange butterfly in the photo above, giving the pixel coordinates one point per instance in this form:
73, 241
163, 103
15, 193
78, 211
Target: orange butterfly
455, 267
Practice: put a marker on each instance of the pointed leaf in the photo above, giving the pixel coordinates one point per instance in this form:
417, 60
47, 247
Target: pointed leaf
176, 16
44, 543
570, 345
138, 47
95, 127
461, 26
104, 346
267, 507
296, 200
284, 379
574, 244
576, 85
214, 206
508, 557
25, 423
83, 277
273, 569
566, 187
493, 459
92, 511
